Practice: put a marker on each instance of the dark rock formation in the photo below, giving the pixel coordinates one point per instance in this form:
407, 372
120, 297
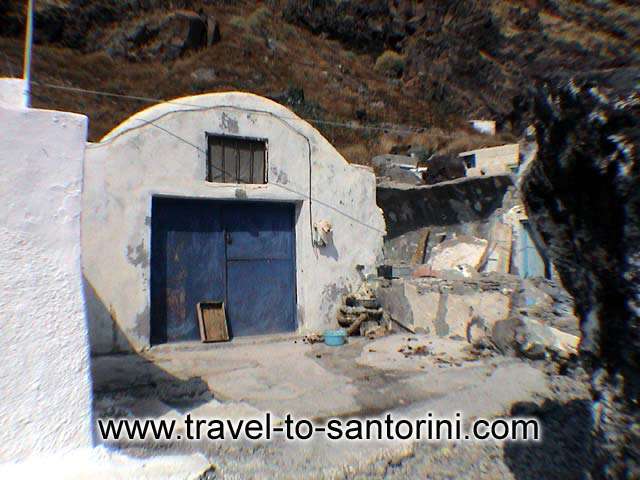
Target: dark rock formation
583, 194
366, 25
166, 38
441, 168
130, 29
463, 206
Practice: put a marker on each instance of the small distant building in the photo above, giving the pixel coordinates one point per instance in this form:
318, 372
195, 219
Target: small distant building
492, 160
488, 127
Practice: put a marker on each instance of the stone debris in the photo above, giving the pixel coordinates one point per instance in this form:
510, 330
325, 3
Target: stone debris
491, 312
397, 168
463, 253
423, 271
361, 314
418, 350
312, 338
535, 340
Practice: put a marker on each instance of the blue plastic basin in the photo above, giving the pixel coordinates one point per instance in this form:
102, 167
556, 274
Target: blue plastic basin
334, 338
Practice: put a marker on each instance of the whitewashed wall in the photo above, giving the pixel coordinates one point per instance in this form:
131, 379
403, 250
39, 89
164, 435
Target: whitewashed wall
45, 388
494, 160
162, 151
12, 93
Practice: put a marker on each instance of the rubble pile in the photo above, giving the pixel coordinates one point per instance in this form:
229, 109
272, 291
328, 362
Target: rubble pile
532, 318
361, 313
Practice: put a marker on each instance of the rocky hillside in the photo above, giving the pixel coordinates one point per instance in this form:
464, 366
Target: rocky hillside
480, 56
429, 65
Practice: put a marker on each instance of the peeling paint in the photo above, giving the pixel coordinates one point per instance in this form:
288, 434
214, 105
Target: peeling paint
229, 124
280, 177
138, 256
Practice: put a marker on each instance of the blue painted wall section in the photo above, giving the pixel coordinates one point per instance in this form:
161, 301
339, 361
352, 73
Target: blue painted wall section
533, 262
242, 253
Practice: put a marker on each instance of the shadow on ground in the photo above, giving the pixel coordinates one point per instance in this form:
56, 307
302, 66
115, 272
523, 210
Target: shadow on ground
143, 380
566, 449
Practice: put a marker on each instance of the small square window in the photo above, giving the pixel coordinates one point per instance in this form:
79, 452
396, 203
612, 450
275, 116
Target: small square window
470, 160
236, 159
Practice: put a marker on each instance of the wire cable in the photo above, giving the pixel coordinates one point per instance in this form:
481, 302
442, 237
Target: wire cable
387, 127
311, 198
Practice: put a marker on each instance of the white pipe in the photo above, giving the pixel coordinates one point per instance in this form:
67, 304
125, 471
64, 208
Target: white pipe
28, 44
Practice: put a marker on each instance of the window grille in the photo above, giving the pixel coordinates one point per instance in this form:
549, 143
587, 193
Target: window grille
236, 159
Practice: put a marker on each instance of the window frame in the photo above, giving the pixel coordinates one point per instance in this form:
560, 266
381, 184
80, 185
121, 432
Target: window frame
223, 137
470, 161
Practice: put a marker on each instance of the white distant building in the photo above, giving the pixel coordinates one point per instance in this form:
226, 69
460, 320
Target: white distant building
487, 127
492, 160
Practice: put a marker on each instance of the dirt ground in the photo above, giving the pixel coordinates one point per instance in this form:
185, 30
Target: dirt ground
364, 378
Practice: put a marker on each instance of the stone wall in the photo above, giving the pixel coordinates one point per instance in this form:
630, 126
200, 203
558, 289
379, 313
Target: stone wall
446, 307
461, 206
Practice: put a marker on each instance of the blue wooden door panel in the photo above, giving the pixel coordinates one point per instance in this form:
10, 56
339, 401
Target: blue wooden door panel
258, 231
260, 297
187, 265
242, 253
260, 268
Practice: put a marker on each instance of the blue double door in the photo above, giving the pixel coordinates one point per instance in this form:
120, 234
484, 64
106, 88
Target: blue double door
238, 252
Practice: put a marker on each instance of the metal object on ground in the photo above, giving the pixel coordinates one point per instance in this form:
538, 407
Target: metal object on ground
212, 321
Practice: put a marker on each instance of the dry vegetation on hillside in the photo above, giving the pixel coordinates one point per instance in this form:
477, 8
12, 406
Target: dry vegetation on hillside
259, 52
429, 65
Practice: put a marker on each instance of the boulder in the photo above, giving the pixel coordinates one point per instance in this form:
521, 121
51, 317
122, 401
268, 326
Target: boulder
522, 336
167, 38
463, 253
396, 168
536, 341
582, 193
441, 168
389, 159
399, 175
203, 77
180, 32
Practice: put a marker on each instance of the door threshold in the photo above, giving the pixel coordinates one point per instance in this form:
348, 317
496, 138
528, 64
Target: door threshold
196, 345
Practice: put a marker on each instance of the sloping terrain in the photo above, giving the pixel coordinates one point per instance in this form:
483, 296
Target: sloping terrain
258, 52
430, 65
480, 56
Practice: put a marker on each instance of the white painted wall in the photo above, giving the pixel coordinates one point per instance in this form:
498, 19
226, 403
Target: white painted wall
45, 388
488, 127
12, 93
162, 151
494, 160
